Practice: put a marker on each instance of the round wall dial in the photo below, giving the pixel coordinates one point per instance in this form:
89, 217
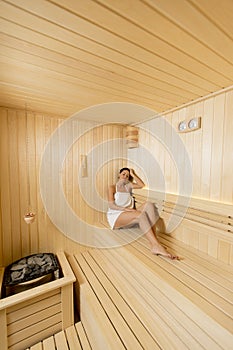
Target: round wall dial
182, 126
193, 123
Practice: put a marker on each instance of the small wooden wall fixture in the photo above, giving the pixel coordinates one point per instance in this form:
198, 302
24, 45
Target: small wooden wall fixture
83, 160
132, 133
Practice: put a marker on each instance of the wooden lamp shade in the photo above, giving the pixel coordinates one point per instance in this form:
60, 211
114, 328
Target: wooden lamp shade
132, 133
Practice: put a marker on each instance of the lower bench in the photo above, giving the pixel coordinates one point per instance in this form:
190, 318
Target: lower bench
72, 338
130, 299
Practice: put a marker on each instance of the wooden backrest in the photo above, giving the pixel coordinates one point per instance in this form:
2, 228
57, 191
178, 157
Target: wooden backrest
205, 225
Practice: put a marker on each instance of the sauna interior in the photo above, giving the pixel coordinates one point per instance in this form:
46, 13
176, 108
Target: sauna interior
89, 87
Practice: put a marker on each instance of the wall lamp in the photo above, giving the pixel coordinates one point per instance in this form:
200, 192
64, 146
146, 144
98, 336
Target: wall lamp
132, 135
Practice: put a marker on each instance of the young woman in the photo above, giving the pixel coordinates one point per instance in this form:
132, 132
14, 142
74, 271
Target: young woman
121, 212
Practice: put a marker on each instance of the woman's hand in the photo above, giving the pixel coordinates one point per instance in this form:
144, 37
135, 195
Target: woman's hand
132, 173
129, 209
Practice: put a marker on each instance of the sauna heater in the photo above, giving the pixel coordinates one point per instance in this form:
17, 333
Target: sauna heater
29, 272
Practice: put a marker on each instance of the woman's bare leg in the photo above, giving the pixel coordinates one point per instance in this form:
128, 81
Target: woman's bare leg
141, 218
151, 211
156, 247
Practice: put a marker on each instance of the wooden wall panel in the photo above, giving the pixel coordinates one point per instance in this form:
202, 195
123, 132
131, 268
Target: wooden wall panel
210, 151
210, 148
227, 161
5, 190
23, 139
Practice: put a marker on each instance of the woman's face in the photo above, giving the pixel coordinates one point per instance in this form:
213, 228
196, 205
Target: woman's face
124, 175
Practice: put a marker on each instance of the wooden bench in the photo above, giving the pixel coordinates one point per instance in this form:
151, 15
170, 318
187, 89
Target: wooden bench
204, 225
72, 338
130, 299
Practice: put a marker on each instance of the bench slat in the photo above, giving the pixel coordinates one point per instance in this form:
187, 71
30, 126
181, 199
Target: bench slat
218, 290
60, 341
82, 336
101, 333
147, 308
211, 303
72, 338
212, 263
131, 320
171, 291
37, 346
49, 344
191, 317
197, 263
117, 319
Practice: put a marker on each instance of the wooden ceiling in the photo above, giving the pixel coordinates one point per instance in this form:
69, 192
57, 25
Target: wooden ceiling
61, 56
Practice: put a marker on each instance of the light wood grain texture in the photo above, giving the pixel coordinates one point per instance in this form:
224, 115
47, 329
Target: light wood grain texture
131, 278
60, 341
82, 336
14, 318
68, 306
131, 298
72, 338
159, 55
3, 325
205, 225
98, 323
20, 160
49, 343
45, 310
37, 346
110, 309
209, 149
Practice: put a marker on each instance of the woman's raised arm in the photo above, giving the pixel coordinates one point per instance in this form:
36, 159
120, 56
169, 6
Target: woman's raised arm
138, 182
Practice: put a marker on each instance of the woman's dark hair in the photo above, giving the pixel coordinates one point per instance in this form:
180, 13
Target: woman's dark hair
130, 177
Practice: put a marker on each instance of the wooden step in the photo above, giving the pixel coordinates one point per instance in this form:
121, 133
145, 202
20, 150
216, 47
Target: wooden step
72, 338
105, 295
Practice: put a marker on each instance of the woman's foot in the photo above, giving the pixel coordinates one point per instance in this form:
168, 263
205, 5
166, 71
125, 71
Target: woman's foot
160, 250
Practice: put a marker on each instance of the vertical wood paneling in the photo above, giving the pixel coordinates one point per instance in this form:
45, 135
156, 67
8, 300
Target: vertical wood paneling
31, 156
5, 190
106, 173
40, 219
14, 184
207, 130
227, 171
174, 146
197, 153
217, 145
224, 251
22, 180
167, 156
23, 140
210, 148
203, 242
210, 151
181, 155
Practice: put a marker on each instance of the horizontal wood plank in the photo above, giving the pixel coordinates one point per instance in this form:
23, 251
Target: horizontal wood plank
35, 330
32, 308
